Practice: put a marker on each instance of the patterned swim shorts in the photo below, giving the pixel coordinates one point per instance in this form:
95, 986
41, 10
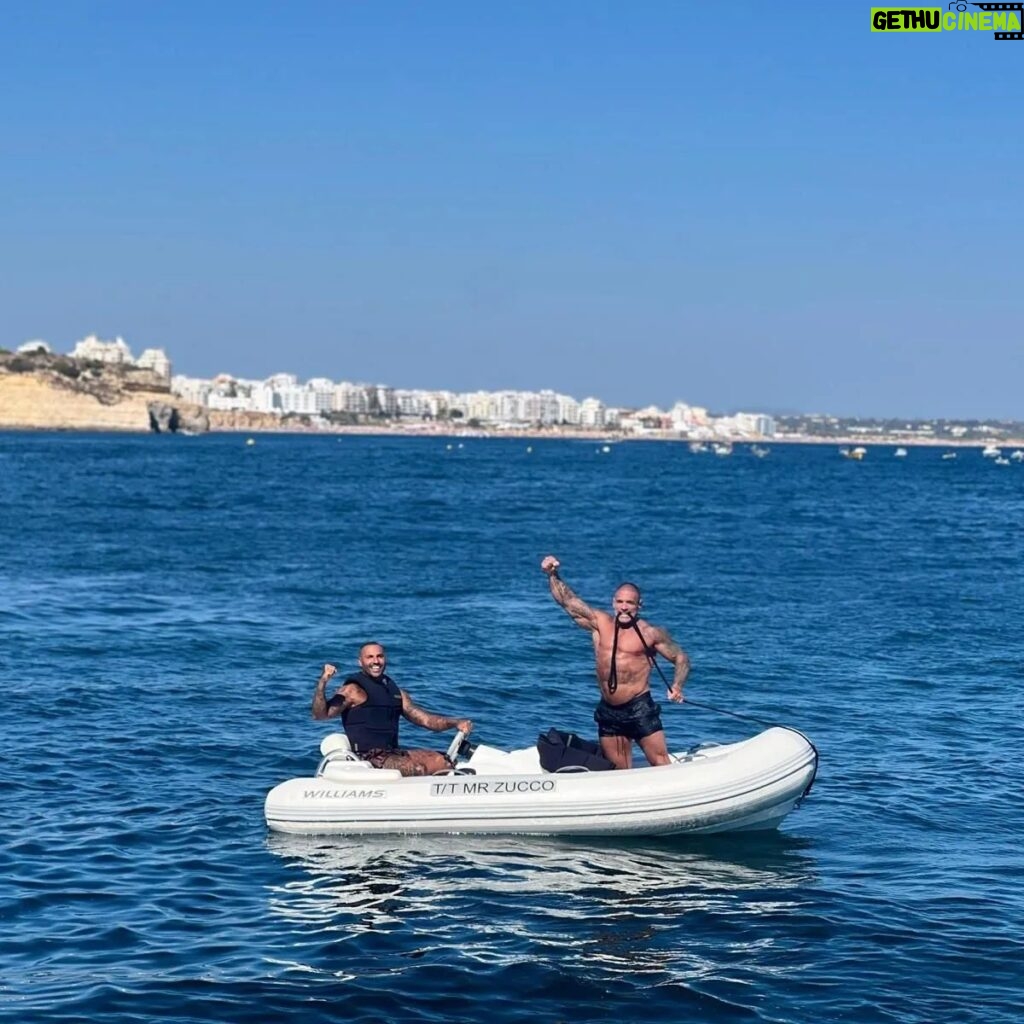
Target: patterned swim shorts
378, 756
398, 758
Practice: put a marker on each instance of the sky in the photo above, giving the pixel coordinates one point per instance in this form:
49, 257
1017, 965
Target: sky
741, 205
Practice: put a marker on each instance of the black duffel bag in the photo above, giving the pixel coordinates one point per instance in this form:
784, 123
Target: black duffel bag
565, 750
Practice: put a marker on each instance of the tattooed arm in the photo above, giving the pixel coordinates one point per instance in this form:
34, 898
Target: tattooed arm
668, 648
428, 720
581, 612
347, 696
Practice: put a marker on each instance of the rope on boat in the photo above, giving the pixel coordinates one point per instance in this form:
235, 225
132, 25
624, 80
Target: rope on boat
735, 714
761, 721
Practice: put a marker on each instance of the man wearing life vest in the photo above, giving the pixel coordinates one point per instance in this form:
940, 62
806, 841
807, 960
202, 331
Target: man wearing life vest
370, 705
625, 648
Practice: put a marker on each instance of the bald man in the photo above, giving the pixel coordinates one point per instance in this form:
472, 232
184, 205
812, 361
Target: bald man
370, 705
625, 647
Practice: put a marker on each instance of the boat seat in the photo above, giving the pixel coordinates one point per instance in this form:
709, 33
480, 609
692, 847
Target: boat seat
335, 741
344, 766
341, 763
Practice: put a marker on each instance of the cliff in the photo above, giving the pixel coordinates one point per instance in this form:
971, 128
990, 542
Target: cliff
42, 391
47, 392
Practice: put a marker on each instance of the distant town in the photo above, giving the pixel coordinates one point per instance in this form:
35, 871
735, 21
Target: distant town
324, 403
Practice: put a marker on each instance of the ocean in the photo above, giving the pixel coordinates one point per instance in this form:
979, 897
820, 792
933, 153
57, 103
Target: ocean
166, 604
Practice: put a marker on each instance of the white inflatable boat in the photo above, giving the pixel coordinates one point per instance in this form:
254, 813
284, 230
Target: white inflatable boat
747, 786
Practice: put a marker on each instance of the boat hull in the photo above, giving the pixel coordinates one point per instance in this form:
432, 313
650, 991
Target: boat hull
747, 786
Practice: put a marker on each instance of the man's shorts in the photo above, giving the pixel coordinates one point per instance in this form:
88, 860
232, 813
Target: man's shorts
379, 755
385, 757
635, 719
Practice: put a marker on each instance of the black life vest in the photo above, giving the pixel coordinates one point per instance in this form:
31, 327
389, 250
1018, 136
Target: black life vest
374, 725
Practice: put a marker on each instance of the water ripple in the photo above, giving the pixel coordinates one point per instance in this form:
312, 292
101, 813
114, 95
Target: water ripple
164, 616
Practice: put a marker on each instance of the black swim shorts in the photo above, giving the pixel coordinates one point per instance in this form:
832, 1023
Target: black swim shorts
635, 719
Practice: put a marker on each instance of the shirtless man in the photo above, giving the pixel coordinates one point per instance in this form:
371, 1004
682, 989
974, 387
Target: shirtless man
627, 711
370, 704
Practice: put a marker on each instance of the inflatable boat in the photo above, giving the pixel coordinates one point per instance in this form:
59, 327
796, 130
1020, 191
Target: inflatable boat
746, 786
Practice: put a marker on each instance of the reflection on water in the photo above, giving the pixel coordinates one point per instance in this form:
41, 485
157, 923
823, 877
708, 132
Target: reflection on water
614, 906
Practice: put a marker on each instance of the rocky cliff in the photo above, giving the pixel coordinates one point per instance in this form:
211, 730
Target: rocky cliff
46, 392
42, 391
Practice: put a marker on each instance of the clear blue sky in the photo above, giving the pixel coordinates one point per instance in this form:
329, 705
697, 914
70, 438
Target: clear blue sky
742, 205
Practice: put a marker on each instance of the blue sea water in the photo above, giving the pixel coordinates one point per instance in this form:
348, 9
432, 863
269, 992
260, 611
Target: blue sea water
166, 604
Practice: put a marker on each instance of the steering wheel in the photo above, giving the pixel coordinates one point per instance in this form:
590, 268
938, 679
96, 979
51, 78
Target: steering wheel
453, 750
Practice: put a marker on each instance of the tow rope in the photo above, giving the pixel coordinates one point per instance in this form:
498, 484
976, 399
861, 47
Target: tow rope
651, 654
613, 684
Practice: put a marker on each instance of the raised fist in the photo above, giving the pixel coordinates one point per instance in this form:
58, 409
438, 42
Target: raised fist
550, 564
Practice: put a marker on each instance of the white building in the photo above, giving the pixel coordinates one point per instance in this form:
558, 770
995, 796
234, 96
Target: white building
282, 393
541, 407
263, 398
155, 359
411, 403
509, 407
353, 398
682, 417
224, 401
192, 389
323, 393
439, 403
645, 421
386, 401
458, 406
481, 405
568, 410
282, 380
297, 399
747, 424
95, 350
591, 412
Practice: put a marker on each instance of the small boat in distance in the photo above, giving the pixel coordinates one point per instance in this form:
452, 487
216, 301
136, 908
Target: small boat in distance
722, 448
991, 451
758, 451
698, 447
1018, 455
900, 453
949, 455
857, 454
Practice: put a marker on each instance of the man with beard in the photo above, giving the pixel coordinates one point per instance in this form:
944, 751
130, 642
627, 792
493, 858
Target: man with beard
370, 705
625, 647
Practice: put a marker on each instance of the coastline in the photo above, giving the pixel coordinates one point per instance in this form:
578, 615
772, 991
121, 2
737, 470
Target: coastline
599, 436
524, 434
38, 402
